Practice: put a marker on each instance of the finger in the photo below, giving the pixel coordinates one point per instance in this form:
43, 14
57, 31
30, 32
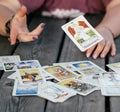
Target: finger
38, 30
89, 51
25, 37
13, 36
22, 12
105, 50
98, 50
113, 49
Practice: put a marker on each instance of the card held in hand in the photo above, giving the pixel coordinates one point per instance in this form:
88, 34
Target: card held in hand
82, 33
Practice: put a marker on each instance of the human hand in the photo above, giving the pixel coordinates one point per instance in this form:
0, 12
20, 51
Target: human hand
104, 47
19, 29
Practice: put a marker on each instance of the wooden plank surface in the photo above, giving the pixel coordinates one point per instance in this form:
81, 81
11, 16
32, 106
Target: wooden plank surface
51, 47
115, 101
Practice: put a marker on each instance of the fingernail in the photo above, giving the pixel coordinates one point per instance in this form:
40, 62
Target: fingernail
35, 37
95, 56
42, 25
102, 55
113, 54
88, 55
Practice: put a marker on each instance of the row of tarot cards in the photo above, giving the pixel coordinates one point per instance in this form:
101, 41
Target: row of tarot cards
60, 81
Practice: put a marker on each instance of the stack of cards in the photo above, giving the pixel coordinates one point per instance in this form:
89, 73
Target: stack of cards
28, 75
82, 33
86, 71
80, 76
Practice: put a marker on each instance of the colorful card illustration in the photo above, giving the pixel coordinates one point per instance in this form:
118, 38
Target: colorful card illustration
55, 92
110, 84
115, 66
9, 66
24, 90
68, 66
59, 72
27, 76
80, 87
28, 64
7, 63
82, 33
45, 74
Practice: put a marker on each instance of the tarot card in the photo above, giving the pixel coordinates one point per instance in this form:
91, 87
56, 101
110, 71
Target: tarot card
45, 74
93, 80
33, 75
110, 84
28, 64
82, 33
88, 68
109, 79
24, 90
115, 67
7, 59
68, 66
59, 72
80, 87
55, 93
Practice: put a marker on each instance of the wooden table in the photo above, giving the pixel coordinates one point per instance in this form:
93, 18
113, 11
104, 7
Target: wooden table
54, 46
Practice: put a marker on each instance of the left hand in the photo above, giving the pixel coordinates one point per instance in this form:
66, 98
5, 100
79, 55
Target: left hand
103, 47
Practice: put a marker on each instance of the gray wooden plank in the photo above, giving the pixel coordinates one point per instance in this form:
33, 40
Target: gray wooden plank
5, 47
8, 103
94, 101
115, 101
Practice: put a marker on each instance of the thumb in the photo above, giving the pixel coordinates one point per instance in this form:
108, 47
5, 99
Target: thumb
22, 12
38, 29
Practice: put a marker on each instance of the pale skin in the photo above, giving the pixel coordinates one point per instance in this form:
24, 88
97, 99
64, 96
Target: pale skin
18, 26
110, 20
19, 30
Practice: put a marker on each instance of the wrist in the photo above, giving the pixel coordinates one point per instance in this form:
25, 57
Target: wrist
107, 28
5, 15
7, 26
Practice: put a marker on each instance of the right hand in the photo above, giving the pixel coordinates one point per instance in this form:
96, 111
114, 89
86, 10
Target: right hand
107, 45
19, 29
